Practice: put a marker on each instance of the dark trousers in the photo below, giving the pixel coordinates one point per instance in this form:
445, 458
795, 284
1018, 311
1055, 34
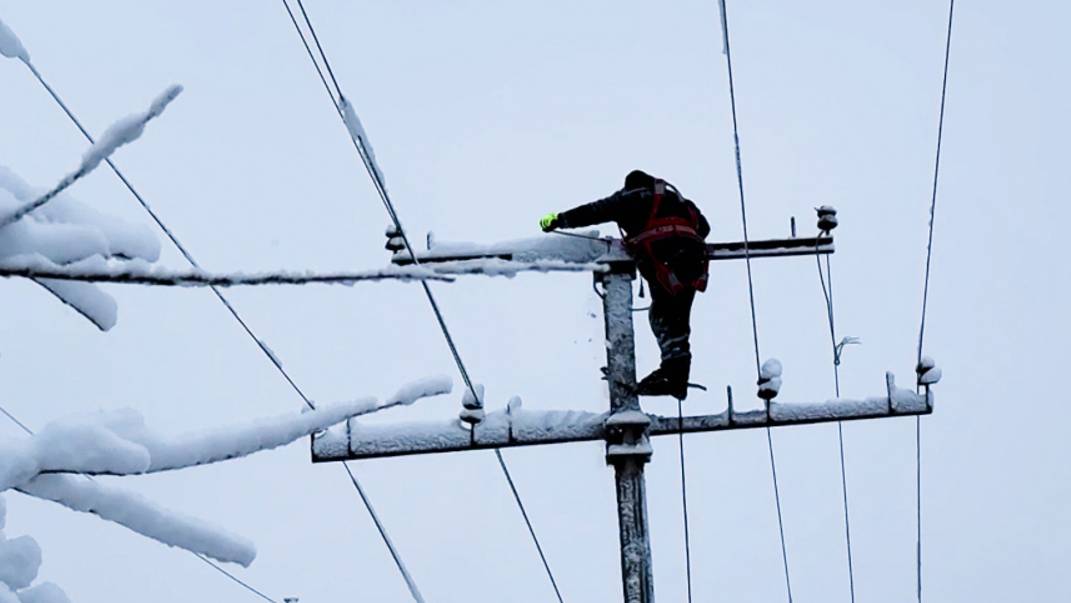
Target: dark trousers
670, 317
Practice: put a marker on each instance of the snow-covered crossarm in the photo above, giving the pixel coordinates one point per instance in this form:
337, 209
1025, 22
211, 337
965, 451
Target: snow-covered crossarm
587, 251
515, 426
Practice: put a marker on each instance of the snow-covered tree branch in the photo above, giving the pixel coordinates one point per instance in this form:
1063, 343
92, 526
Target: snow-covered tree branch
119, 443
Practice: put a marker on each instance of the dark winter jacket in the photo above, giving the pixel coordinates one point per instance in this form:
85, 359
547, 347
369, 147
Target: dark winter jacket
630, 209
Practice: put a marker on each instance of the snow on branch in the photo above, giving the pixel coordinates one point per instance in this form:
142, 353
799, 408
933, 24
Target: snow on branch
142, 516
122, 132
119, 443
99, 270
20, 561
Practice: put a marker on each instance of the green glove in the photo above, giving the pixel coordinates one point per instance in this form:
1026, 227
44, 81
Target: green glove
549, 222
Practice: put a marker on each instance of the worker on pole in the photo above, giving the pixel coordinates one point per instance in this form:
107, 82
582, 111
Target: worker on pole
665, 233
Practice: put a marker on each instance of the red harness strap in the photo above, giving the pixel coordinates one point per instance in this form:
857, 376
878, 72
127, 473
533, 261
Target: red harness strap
659, 228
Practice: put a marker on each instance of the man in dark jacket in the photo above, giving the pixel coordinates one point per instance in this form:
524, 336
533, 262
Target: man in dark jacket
664, 232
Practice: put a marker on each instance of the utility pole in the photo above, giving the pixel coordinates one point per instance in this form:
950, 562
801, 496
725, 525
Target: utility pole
625, 428
628, 447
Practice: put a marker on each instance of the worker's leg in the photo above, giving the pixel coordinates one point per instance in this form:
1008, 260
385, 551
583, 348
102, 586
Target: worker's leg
670, 317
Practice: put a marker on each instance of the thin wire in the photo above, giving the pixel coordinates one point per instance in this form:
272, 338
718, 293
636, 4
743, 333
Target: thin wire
174, 239
308, 50
777, 501
237, 580
409, 582
750, 283
827, 294
684, 502
319, 47
219, 295
918, 507
936, 176
381, 189
16, 421
528, 522
740, 182
926, 298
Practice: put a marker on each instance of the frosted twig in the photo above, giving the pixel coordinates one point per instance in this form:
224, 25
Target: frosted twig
122, 132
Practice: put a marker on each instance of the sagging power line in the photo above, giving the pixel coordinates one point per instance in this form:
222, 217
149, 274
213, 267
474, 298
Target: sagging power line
260, 343
363, 148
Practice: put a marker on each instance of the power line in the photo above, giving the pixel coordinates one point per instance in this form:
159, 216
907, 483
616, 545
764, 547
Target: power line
936, 176
166, 278
319, 47
213, 564
409, 582
684, 501
215, 290
750, 283
926, 298
234, 578
362, 147
827, 294
528, 522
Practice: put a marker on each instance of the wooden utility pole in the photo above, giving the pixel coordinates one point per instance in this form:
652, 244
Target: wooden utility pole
625, 428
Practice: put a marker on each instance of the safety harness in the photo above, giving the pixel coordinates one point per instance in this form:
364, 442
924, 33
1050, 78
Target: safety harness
658, 228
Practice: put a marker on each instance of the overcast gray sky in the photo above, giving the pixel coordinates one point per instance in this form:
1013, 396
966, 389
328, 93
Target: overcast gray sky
485, 116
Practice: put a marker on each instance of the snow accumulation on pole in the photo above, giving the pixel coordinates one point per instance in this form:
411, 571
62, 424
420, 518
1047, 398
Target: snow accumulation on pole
122, 132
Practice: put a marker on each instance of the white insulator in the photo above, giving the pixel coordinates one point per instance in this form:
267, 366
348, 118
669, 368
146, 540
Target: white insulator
927, 371
470, 402
770, 369
514, 405
392, 231
769, 388
395, 244
827, 218
930, 377
472, 416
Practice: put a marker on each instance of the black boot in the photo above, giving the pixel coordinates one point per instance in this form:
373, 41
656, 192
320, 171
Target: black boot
670, 379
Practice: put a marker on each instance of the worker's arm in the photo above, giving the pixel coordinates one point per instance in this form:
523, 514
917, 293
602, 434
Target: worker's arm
596, 212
